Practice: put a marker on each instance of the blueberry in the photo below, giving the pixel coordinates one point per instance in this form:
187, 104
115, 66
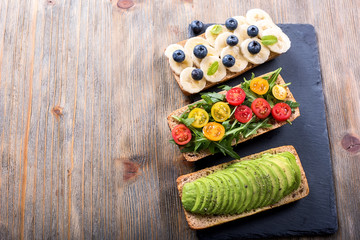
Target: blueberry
232, 40
179, 56
231, 23
254, 47
200, 51
196, 26
197, 74
252, 31
228, 60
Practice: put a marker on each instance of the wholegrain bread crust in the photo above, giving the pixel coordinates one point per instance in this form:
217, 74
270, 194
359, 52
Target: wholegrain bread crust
192, 157
229, 75
197, 221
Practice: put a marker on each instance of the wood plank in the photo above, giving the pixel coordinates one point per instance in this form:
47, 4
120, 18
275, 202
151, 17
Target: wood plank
84, 95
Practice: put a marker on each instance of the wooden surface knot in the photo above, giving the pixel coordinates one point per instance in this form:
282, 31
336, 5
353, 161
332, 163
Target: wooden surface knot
57, 112
351, 143
125, 4
50, 2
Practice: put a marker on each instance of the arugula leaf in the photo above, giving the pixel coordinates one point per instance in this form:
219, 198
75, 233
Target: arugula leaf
188, 121
227, 150
215, 97
260, 124
172, 141
269, 40
272, 79
216, 29
271, 100
225, 87
227, 125
213, 68
289, 122
250, 95
292, 104
207, 99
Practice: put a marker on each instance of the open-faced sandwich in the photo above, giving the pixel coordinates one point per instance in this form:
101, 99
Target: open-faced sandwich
226, 51
243, 187
221, 120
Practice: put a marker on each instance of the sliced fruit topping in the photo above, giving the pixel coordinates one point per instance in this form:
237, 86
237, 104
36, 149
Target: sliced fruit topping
243, 114
181, 134
254, 47
220, 111
178, 67
252, 31
231, 24
179, 56
197, 74
214, 70
283, 42
253, 57
259, 86
228, 60
256, 14
235, 96
261, 108
201, 117
171, 49
281, 112
212, 32
214, 131
279, 92
240, 61
200, 51
197, 26
232, 40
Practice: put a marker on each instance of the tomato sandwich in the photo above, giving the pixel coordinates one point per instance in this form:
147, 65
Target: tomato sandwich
221, 120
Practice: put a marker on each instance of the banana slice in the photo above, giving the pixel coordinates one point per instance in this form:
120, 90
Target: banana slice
189, 84
282, 45
178, 67
241, 32
218, 75
241, 20
210, 37
220, 41
211, 52
240, 61
255, 15
263, 25
257, 58
171, 49
192, 42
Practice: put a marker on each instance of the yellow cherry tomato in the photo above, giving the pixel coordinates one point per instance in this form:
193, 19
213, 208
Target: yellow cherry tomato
201, 117
279, 92
214, 131
259, 86
220, 111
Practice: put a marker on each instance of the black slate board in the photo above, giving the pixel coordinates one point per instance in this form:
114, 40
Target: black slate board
315, 214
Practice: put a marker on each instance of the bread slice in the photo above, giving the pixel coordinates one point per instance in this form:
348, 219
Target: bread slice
192, 157
229, 75
197, 221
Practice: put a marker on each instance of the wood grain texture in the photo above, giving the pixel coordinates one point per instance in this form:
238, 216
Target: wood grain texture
84, 95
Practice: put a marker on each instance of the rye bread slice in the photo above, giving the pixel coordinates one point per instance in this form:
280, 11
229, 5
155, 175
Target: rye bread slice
229, 75
197, 221
192, 157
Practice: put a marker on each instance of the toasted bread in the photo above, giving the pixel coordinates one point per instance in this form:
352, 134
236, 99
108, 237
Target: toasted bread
191, 157
229, 75
197, 221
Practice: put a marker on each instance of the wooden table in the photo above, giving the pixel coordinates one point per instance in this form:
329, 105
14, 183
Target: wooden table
84, 92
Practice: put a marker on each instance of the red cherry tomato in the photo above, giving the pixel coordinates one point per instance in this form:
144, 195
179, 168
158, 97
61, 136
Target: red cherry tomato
243, 114
281, 112
261, 108
181, 134
235, 96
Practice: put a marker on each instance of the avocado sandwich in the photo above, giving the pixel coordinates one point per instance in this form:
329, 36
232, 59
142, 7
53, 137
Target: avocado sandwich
243, 187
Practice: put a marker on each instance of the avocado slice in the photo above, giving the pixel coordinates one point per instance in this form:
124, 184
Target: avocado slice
292, 160
225, 186
200, 196
281, 177
273, 182
245, 188
189, 194
248, 172
230, 185
289, 172
268, 188
219, 190
207, 195
237, 191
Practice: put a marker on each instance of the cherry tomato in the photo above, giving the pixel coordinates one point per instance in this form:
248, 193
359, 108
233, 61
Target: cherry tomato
220, 111
201, 117
281, 112
214, 131
259, 86
279, 92
181, 134
235, 96
261, 108
243, 114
